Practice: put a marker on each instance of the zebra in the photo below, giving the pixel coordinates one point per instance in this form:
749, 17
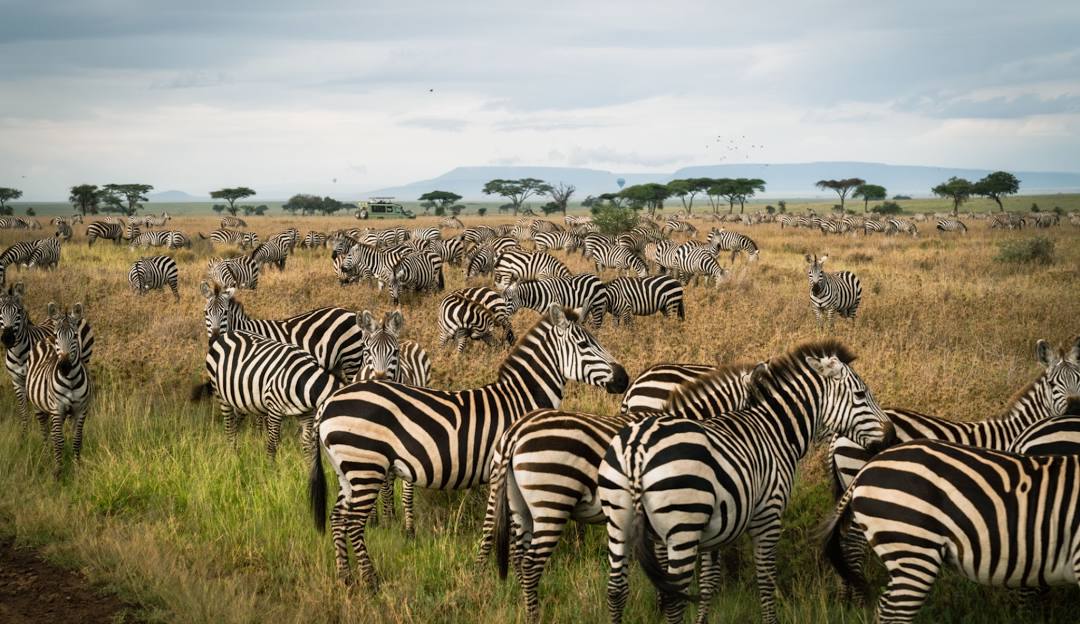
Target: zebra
231, 222
451, 223
314, 239
544, 473
440, 439
238, 272
516, 266
156, 221
873, 225
727, 240
997, 518
100, 229
593, 240
152, 273
462, 318
901, 226
244, 240
678, 225
584, 293
287, 238
695, 486
451, 250
832, 293
643, 296
416, 272
651, 390
58, 380
18, 254
692, 260
620, 258
46, 253
1043, 399
271, 251
258, 376
546, 241
19, 335
63, 230
173, 239
404, 361
481, 260
330, 335
1053, 436
495, 304
951, 225
424, 233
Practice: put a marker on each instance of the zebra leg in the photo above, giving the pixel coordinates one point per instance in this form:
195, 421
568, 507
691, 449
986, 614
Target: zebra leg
910, 581
765, 540
680, 563
356, 509
56, 433
341, 544
487, 533
544, 537
229, 415
175, 290
854, 548
24, 413
711, 571
460, 338
386, 495
407, 504
76, 445
620, 517
273, 434
43, 422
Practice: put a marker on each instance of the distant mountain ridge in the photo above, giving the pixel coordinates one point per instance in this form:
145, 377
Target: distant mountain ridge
794, 179
176, 197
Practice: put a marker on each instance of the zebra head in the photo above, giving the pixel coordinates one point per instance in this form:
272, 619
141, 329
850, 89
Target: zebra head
847, 406
580, 356
1062, 375
220, 308
12, 314
513, 300
66, 326
381, 343
815, 272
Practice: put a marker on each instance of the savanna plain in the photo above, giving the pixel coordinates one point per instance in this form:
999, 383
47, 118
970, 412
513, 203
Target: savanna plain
163, 511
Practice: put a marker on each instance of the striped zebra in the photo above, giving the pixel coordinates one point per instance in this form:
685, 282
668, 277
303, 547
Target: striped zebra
244, 240
651, 390
330, 335
996, 518
628, 297
232, 222
1053, 436
424, 233
517, 266
677, 225
584, 293
152, 273
252, 375
544, 473
576, 220
873, 225
19, 253
314, 239
462, 319
173, 239
687, 261
619, 258
19, 335
238, 272
736, 243
58, 380
156, 221
403, 361
416, 272
495, 304
451, 250
951, 225
63, 231
593, 240
108, 231
451, 223
439, 439
272, 251
46, 253
546, 241
832, 293
693, 486
901, 226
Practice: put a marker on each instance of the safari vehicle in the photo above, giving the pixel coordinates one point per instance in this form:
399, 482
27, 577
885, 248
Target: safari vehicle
382, 208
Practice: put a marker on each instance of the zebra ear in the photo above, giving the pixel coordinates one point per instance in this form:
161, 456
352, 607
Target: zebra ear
822, 259
77, 311
393, 322
757, 375
229, 292
809, 260
205, 289
52, 310
19, 289
827, 367
1046, 354
366, 321
557, 316
1074, 353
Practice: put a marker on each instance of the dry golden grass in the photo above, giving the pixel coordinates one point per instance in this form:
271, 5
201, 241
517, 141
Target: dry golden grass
166, 513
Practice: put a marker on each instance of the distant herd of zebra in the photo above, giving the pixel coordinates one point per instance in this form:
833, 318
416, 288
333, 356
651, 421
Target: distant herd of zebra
696, 457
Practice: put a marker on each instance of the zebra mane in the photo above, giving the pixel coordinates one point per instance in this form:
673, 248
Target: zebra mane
524, 343
794, 361
686, 393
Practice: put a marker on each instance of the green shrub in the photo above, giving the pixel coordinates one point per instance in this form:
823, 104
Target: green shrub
887, 208
1038, 250
610, 219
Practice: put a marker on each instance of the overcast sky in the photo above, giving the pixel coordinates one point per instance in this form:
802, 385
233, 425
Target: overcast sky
290, 96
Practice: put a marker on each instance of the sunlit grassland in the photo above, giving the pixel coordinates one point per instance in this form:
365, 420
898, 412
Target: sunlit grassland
163, 511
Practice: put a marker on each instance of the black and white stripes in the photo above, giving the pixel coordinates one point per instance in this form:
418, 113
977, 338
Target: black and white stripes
832, 293
152, 273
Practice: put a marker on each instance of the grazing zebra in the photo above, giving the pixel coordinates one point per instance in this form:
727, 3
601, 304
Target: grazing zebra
951, 225
156, 221
424, 233
258, 376
63, 230
996, 518
416, 272
693, 259
440, 439
546, 241
652, 389
726, 240
239, 272
46, 253
643, 296
19, 253
495, 304
364, 261
287, 238
245, 240
462, 318
832, 293
452, 223
583, 293
314, 239
593, 240
173, 239
901, 226
231, 222
58, 380
694, 486
518, 265
451, 250
482, 260
153, 273
272, 251
544, 473
678, 225
330, 335
619, 258
872, 225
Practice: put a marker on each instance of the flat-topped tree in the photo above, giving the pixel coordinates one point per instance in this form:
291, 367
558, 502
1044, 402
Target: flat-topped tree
560, 196
517, 191
441, 201
6, 195
688, 188
232, 195
997, 185
841, 187
129, 196
957, 189
716, 189
650, 196
869, 193
745, 188
86, 198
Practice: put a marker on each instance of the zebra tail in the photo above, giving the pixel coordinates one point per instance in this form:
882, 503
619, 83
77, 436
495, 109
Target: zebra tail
317, 487
202, 391
682, 310
202, 236
834, 530
502, 520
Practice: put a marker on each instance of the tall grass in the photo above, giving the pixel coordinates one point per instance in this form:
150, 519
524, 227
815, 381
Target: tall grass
163, 511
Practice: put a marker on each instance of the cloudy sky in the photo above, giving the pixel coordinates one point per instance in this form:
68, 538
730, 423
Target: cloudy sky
291, 96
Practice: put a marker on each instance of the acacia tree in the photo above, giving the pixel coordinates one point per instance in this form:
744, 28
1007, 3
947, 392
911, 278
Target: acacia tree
86, 198
957, 189
869, 193
997, 185
716, 189
6, 195
688, 188
517, 191
131, 194
650, 196
746, 188
439, 200
560, 196
842, 187
232, 195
